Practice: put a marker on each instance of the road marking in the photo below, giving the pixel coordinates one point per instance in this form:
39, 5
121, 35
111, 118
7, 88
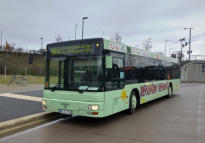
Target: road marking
35, 128
24, 97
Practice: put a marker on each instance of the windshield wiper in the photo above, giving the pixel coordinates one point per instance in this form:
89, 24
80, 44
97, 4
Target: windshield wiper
82, 88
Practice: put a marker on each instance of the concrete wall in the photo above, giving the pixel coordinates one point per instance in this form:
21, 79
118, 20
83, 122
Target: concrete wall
192, 72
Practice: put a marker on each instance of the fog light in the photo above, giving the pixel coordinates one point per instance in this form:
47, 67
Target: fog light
93, 113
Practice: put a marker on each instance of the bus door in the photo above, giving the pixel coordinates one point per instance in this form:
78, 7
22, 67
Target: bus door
115, 82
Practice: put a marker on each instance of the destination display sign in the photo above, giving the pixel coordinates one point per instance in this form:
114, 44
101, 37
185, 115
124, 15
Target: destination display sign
74, 49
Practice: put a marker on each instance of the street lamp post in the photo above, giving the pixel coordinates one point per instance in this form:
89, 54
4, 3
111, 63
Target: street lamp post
190, 28
165, 48
83, 25
1, 41
75, 30
41, 42
41, 50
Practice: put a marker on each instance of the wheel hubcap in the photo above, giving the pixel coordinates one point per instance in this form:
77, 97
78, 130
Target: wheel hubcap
169, 91
134, 101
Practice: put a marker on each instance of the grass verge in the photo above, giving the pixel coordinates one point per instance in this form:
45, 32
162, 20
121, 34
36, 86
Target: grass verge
29, 79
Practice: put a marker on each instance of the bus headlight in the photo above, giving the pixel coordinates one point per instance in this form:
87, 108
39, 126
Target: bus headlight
93, 107
43, 102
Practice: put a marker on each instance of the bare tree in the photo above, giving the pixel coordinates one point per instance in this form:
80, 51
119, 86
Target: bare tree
59, 38
9, 47
116, 37
147, 44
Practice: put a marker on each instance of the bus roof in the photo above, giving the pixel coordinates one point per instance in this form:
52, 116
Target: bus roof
63, 43
120, 47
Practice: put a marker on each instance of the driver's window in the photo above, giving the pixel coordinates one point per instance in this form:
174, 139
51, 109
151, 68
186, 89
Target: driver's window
120, 64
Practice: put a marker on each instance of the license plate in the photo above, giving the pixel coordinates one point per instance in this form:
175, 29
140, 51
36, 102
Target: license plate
67, 112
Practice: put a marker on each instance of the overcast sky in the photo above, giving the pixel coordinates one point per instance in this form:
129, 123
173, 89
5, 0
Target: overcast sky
24, 21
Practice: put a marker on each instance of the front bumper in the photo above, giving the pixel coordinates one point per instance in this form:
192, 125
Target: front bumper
77, 108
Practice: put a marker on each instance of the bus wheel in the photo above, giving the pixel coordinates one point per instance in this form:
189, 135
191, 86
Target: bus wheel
132, 103
169, 91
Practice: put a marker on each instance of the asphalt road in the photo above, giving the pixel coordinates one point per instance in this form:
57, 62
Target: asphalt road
180, 119
12, 108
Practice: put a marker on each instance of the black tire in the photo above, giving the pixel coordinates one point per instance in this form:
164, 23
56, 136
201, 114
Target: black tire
132, 104
170, 91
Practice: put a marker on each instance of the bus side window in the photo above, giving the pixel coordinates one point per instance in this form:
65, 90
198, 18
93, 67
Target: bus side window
118, 65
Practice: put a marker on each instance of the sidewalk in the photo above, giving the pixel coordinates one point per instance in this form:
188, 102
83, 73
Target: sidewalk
18, 88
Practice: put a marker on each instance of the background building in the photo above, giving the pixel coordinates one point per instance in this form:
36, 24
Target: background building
193, 72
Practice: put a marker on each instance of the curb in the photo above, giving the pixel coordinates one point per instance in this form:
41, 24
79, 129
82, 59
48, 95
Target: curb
23, 123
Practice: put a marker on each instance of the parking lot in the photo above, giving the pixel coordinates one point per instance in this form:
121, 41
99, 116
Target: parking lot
22, 103
180, 119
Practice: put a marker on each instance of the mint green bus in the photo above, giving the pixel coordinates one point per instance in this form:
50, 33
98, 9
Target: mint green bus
98, 77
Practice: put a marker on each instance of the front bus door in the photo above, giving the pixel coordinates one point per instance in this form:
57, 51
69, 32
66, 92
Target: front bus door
115, 82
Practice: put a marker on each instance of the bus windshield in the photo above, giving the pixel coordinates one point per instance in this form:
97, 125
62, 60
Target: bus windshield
75, 73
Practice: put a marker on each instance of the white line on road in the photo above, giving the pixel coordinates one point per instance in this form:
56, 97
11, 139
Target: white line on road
35, 128
24, 97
